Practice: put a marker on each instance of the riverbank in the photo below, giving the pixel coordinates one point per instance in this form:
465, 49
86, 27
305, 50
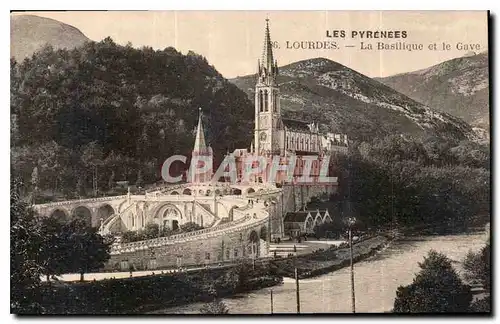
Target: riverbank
139, 295
376, 280
331, 259
148, 293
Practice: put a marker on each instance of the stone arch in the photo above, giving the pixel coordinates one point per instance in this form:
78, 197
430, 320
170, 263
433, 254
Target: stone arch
187, 191
236, 191
253, 237
84, 213
254, 244
103, 212
60, 215
174, 193
250, 190
317, 221
263, 233
309, 223
168, 215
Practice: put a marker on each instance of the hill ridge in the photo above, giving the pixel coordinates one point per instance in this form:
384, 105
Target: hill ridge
348, 101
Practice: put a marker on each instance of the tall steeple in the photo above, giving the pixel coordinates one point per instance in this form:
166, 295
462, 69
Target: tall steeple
267, 131
268, 67
267, 51
199, 142
202, 157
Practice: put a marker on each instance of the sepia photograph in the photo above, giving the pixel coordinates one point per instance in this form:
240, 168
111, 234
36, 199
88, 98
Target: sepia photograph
250, 162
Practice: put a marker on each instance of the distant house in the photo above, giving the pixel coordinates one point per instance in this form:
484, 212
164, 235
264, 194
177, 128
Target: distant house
303, 222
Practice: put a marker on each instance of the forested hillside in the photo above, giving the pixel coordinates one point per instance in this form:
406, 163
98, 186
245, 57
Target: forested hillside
116, 113
403, 181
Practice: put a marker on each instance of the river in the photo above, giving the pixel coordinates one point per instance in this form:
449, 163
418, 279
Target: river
376, 280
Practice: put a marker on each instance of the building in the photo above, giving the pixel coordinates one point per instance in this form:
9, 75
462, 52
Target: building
274, 134
278, 136
303, 222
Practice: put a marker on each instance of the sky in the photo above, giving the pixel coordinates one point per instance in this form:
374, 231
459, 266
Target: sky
232, 41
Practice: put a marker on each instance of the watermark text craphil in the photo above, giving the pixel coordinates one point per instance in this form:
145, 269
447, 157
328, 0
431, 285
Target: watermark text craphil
308, 169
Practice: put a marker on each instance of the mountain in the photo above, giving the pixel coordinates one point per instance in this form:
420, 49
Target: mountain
458, 87
29, 33
345, 101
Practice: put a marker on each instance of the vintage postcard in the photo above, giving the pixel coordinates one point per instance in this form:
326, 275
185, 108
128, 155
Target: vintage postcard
250, 162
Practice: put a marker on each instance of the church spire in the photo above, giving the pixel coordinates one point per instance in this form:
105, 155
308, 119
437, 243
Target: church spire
267, 52
199, 142
267, 65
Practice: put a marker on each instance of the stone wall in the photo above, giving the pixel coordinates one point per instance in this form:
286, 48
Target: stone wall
205, 250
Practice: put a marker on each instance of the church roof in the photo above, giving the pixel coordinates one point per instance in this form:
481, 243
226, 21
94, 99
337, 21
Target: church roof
296, 217
296, 125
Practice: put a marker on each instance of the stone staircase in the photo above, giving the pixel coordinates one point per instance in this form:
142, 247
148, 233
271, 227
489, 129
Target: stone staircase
205, 210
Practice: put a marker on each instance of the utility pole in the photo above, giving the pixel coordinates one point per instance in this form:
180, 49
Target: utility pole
353, 297
272, 311
297, 290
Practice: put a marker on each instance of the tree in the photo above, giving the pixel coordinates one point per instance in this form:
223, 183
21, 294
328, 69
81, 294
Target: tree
140, 181
131, 236
111, 181
150, 231
35, 180
477, 266
53, 251
336, 228
190, 227
88, 250
92, 157
25, 270
80, 187
437, 288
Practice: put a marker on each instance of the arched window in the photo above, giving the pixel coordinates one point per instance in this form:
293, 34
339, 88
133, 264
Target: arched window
307, 144
266, 101
275, 101
261, 101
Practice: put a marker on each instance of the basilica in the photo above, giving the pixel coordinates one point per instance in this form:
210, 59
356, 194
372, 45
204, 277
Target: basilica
274, 134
